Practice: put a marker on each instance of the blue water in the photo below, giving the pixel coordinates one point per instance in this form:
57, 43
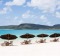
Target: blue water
20, 32
35, 32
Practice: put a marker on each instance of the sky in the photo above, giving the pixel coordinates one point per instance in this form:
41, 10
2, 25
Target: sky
15, 12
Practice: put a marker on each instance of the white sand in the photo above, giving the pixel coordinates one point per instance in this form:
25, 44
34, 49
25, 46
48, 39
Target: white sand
43, 49
33, 41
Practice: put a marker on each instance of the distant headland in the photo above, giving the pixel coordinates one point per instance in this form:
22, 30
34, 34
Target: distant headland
30, 26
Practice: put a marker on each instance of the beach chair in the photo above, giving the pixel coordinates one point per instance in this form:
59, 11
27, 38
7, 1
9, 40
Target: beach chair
26, 42
55, 40
41, 41
11, 43
7, 43
4, 43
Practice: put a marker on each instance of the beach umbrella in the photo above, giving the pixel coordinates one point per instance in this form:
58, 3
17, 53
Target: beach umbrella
27, 35
8, 37
54, 35
42, 35
58, 34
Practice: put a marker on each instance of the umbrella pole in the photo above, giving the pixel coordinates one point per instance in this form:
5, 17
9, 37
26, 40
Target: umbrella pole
27, 37
8, 38
42, 37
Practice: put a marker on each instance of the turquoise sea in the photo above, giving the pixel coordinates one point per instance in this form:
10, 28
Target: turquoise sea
20, 32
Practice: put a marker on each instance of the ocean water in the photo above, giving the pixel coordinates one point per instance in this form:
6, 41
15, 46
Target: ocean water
20, 32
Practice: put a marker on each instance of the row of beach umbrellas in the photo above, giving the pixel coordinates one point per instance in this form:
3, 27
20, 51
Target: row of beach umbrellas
27, 36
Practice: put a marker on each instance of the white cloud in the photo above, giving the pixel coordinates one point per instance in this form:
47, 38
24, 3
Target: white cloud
45, 20
5, 10
20, 22
15, 2
45, 5
58, 5
28, 15
57, 14
33, 18
16, 18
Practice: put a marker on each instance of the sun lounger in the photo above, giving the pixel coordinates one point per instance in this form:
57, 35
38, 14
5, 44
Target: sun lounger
26, 42
11, 43
7, 43
55, 40
41, 41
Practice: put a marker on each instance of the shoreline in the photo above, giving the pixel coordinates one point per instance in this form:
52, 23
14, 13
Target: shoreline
29, 29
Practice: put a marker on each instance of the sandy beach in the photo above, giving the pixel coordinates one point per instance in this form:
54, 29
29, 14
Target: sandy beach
33, 41
45, 49
34, 49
